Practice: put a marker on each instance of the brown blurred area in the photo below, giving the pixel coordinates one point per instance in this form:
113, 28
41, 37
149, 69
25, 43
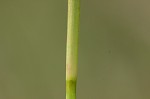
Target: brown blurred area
114, 49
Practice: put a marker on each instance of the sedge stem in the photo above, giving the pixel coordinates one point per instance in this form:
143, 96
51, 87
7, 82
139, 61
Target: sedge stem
72, 48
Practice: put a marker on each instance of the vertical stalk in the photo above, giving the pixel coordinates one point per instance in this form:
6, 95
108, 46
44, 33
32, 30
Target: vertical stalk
72, 48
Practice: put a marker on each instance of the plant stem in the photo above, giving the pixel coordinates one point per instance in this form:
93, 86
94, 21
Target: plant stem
72, 48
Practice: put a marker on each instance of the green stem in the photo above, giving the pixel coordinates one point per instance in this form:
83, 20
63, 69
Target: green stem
72, 48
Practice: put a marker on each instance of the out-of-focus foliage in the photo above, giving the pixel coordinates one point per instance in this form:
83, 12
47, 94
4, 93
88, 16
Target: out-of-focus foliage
114, 49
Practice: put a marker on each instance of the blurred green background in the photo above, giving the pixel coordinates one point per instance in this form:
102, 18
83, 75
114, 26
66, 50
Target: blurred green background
114, 49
